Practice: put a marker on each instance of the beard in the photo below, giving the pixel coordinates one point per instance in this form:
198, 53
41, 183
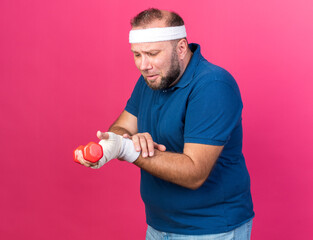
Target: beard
171, 76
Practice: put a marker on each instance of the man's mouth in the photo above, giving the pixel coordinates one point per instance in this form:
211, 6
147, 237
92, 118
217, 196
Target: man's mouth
151, 77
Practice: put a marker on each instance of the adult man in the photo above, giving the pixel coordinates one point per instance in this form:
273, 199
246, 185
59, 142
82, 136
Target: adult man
200, 185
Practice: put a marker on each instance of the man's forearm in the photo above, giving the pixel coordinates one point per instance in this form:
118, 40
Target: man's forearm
177, 168
126, 123
118, 130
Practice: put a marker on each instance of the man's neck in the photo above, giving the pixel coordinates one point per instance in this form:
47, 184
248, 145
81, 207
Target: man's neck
185, 63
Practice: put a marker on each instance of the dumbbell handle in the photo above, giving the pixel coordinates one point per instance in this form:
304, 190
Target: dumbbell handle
92, 152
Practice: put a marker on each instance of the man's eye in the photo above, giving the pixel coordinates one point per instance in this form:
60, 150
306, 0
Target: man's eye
137, 55
153, 54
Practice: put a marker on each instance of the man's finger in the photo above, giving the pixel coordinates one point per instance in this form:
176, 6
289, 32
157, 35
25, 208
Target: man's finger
81, 159
144, 146
150, 145
125, 135
102, 135
136, 143
160, 147
86, 163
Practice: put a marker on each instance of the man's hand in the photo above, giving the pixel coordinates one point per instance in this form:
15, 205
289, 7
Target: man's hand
126, 125
102, 161
83, 161
143, 142
105, 136
113, 146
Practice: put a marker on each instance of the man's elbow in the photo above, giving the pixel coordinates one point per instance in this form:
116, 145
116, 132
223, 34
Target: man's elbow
197, 179
194, 185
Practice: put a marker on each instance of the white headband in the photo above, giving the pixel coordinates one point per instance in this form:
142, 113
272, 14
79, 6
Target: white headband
157, 34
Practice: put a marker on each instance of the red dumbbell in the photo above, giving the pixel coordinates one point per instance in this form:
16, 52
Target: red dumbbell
92, 152
75, 153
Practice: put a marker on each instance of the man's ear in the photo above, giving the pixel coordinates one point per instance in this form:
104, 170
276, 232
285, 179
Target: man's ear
182, 48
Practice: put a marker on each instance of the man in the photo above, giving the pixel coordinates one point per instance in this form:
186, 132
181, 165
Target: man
184, 116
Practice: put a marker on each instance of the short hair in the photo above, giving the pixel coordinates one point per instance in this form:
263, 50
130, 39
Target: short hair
151, 14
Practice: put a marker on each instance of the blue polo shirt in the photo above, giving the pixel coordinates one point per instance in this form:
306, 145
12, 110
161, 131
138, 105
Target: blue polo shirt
203, 107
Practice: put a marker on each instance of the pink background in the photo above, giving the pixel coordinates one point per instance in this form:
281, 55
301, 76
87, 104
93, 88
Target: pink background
66, 70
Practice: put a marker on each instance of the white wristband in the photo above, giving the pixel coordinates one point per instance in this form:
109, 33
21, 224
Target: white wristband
117, 147
128, 152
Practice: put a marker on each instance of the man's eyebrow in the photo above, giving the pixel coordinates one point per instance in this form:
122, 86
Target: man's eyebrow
147, 51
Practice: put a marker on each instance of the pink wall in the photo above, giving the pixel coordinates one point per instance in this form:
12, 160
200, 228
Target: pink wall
66, 71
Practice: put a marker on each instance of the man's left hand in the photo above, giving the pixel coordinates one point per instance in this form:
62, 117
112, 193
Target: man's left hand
143, 142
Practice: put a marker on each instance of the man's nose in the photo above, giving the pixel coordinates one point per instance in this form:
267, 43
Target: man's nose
145, 64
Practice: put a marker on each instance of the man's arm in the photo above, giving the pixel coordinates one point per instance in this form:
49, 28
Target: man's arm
189, 169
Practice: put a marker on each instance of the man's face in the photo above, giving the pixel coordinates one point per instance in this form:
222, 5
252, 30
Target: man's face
158, 63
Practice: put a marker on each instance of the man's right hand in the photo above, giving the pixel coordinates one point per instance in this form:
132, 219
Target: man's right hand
143, 142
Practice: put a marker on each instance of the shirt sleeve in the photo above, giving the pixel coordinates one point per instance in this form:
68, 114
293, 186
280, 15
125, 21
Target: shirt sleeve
133, 102
213, 111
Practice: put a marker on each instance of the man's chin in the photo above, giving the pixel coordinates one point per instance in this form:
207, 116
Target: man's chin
153, 84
